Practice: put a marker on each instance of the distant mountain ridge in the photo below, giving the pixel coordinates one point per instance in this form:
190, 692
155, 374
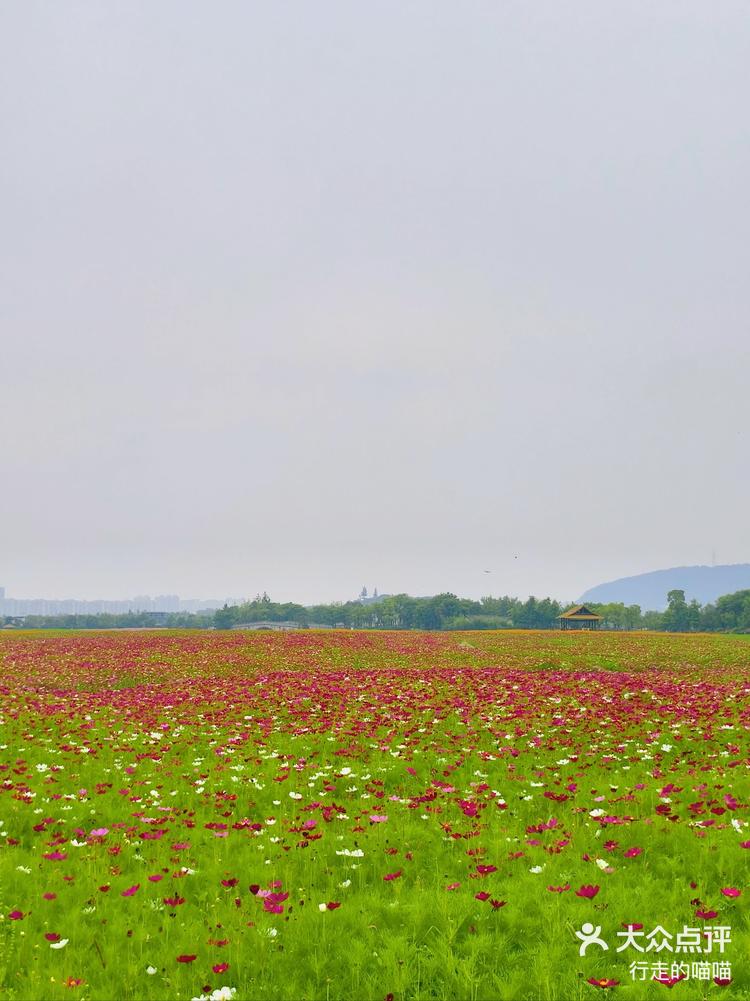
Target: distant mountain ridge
649, 590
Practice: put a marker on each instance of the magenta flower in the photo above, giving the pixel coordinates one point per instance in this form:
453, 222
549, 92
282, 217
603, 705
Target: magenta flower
378, 818
393, 875
131, 890
587, 891
731, 891
633, 852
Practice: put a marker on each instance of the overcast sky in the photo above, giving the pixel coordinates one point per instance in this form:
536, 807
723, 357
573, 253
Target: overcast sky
306, 296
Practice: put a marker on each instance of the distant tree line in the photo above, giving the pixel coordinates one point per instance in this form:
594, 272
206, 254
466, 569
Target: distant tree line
730, 613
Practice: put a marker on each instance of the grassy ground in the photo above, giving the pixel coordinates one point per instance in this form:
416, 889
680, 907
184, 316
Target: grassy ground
358, 815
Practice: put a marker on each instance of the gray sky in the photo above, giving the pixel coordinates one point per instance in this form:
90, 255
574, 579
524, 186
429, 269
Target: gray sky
307, 296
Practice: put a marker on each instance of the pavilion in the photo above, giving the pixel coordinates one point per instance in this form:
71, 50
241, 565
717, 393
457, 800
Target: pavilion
579, 617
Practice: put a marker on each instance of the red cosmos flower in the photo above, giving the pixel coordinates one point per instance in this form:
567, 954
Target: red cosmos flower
602, 983
485, 870
156, 878
633, 925
333, 904
220, 968
706, 915
105, 889
589, 892
16, 916
229, 883
49, 896
497, 904
52, 936
744, 844
131, 890
559, 889
452, 886
669, 981
74, 982
174, 901
393, 875
254, 888
185, 959
481, 895
730, 891
55, 856
722, 981
633, 852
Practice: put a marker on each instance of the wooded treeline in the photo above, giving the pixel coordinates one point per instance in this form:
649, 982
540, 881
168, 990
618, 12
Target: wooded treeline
730, 613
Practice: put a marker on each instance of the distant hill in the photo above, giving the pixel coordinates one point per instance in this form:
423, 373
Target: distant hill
649, 590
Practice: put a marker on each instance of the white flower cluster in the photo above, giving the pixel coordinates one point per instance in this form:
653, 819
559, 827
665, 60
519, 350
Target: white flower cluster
220, 994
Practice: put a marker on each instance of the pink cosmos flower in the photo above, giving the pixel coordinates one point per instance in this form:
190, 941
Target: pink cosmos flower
378, 818
157, 877
731, 891
99, 832
49, 896
55, 856
481, 895
633, 852
131, 890
706, 915
174, 901
589, 892
452, 886
220, 968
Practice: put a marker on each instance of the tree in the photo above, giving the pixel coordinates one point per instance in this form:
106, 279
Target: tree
676, 619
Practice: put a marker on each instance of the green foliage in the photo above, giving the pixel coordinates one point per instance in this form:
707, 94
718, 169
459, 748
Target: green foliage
446, 611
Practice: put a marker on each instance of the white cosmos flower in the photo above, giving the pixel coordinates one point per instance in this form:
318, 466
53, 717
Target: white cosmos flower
59, 945
151, 970
536, 869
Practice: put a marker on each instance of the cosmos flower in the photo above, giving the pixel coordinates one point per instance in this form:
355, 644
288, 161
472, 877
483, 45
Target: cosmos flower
589, 892
633, 852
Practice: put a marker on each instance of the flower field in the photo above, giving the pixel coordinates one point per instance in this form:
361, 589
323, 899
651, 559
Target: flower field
338, 815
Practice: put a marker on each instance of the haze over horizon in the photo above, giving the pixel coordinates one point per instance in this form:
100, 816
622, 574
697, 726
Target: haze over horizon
300, 298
